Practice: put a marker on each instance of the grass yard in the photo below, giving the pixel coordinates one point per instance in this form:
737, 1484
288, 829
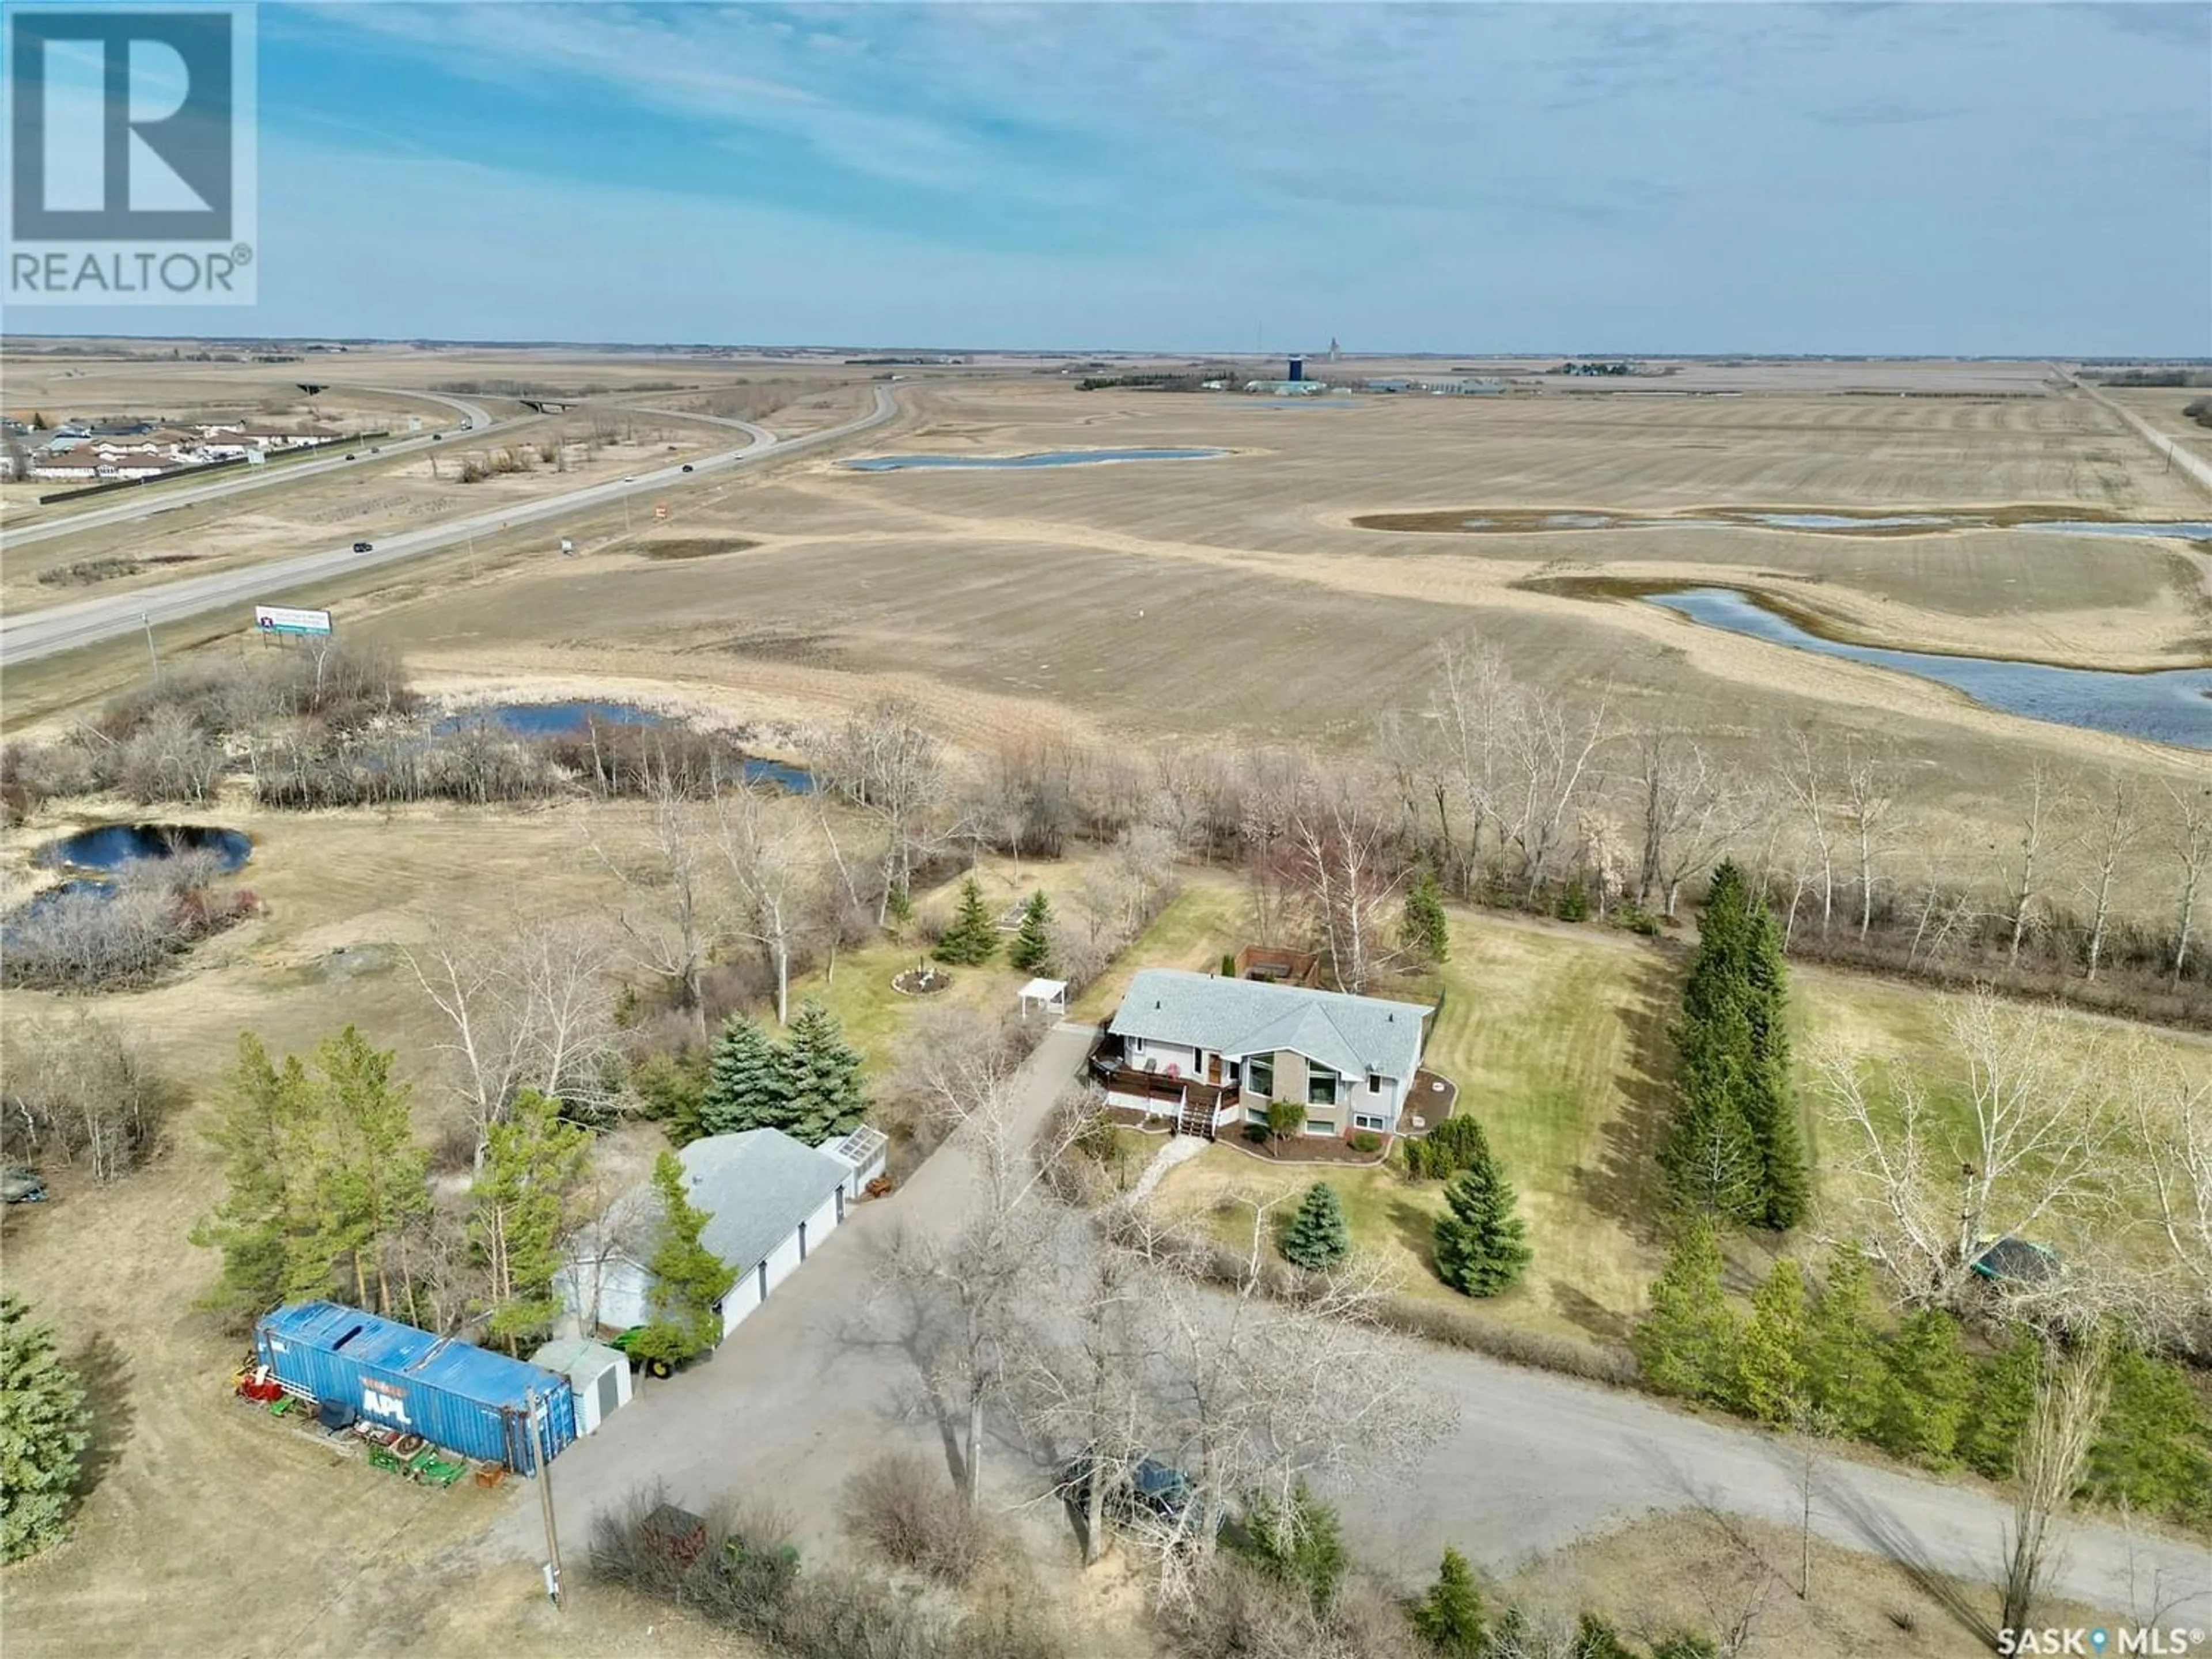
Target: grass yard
1556, 1037
1207, 921
861, 994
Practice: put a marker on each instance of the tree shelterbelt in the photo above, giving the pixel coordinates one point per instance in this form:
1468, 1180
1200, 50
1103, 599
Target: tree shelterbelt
1733, 1151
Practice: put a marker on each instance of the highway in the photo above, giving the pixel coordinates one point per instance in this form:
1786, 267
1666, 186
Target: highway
62, 628
475, 420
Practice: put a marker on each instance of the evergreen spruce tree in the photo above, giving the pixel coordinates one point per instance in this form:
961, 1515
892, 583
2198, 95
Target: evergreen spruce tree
1301, 1545
2153, 1448
1481, 1245
972, 939
1735, 1150
1711, 1156
748, 1082
1448, 1619
1685, 1342
1033, 944
1770, 1358
688, 1278
1769, 1105
1316, 1238
264, 1128
531, 1163
821, 1078
43, 1434
1843, 1348
2004, 1395
1422, 932
371, 1176
1926, 1388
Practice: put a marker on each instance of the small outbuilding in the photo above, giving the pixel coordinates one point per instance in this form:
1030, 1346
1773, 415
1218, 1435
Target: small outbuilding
598, 1376
1048, 996
769, 1199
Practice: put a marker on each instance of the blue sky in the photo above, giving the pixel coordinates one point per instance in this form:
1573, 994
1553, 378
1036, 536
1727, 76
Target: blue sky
1975, 178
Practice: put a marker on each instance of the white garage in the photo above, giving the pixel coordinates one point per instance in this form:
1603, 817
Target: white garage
769, 1201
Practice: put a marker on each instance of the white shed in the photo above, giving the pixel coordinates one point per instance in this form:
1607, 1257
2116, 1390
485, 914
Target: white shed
597, 1375
769, 1199
1048, 994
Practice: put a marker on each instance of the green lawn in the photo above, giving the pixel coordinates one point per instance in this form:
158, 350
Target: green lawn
1556, 1037
1207, 920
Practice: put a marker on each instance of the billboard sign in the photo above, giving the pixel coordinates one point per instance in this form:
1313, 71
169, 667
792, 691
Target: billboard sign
288, 619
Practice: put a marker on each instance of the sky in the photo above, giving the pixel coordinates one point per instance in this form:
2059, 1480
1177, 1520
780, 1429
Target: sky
1978, 179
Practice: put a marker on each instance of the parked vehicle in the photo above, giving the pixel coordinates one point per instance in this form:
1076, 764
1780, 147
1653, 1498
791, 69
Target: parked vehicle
1147, 1493
650, 1367
19, 1184
364, 547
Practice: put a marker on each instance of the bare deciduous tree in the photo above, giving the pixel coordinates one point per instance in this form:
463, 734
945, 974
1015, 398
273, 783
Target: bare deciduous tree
529, 1008
2071, 1389
2192, 852
2115, 836
1687, 813
667, 915
886, 763
2033, 1150
760, 839
1342, 864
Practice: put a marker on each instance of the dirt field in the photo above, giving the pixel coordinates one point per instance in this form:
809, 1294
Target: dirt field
1218, 600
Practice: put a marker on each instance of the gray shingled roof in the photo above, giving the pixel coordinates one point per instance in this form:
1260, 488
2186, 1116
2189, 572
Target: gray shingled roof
1238, 1016
756, 1188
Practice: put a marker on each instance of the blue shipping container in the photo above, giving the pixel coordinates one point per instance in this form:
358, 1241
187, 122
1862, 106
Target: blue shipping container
451, 1394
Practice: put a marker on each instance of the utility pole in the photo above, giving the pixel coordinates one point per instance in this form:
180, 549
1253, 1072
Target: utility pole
146, 618
541, 1437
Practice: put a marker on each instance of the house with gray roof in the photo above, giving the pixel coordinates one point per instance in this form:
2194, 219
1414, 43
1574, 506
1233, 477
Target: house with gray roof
769, 1201
1211, 1051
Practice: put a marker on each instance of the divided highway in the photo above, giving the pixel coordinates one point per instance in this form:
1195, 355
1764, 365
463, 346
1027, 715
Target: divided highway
89, 621
475, 420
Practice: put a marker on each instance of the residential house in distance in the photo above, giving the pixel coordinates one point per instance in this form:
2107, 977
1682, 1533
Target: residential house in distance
769, 1199
1209, 1051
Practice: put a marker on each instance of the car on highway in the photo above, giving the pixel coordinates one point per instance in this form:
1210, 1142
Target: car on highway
437, 437
629, 477
364, 547
351, 456
687, 466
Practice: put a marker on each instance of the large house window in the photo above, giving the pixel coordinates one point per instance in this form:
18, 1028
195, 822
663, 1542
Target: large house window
1260, 1075
1320, 1086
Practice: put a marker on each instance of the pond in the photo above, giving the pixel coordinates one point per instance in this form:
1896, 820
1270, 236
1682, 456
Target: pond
547, 720
1045, 458
2171, 705
109, 847
564, 719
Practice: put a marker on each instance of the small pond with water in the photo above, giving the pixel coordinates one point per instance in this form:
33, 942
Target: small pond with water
560, 720
109, 847
2171, 705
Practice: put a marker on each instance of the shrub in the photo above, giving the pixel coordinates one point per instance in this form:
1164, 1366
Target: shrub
1256, 1135
1300, 1543
1228, 964
1366, 1141
1574, 903
913, 1520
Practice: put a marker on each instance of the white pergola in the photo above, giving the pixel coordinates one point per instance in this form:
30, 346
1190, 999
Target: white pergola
1049, 994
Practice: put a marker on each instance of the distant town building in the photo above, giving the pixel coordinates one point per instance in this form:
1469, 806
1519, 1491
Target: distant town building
1288, 388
